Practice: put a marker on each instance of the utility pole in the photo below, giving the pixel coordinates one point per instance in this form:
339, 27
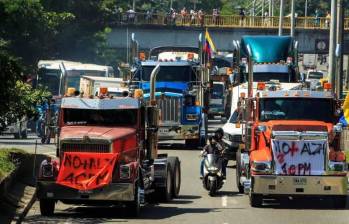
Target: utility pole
281, 17
332, 48
292, 18
270, 5
171, 4
339, 42
134, 5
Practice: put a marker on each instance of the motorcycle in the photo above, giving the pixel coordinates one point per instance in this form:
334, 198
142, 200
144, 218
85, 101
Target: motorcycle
213, 176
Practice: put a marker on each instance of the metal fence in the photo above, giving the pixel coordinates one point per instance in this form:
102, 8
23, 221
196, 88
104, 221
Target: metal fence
228, 21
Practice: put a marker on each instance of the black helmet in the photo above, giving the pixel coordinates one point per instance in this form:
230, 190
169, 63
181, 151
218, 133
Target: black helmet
219, 131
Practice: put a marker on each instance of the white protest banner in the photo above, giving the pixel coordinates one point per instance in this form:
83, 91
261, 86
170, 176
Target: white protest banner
299, 157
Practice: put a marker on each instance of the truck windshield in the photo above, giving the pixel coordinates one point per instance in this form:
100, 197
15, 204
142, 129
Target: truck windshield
49, 78
170, 74
265, 77
217, 91
296, 109
100, 117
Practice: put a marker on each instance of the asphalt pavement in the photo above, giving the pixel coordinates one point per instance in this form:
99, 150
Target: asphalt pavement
194, 205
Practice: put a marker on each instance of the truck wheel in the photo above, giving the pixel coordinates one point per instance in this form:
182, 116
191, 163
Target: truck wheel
238, 172
47, 207
256, 200
134, 207
165, 193
176, 173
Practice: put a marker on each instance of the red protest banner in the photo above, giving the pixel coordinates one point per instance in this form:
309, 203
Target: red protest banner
86, 171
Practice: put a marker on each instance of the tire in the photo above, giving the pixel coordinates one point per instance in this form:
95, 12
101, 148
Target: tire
176, 174
256, 200
165, 193
239, 186
134, 207
47, 207
212, 187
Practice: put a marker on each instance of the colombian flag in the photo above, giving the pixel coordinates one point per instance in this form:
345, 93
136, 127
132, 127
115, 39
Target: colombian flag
345, 118
209, 47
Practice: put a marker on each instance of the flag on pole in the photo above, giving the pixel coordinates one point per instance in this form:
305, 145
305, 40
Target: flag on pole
345, 118
209, 47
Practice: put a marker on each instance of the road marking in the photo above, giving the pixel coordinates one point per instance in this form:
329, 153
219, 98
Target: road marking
224, 201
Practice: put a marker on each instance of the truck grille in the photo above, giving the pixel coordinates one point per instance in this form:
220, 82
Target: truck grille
85, 147
170, 109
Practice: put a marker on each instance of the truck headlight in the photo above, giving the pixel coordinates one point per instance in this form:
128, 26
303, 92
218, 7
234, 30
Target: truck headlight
192, 117
336, 166
261, 166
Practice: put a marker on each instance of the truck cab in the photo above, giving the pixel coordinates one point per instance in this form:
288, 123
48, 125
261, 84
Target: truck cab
107, 151
179, 92
291, 147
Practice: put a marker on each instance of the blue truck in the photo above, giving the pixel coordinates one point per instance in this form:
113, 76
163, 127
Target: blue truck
180, 92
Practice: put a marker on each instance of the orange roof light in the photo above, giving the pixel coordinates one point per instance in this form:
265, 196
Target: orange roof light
197, 103
190, 56
327, 86
243, 95
70, 91
142, 56
260, 86
138, 93
103, 90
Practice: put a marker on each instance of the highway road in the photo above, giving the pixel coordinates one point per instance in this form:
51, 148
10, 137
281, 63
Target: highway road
194, 204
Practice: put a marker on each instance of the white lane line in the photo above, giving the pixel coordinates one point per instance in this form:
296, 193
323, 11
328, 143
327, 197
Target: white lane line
224, 201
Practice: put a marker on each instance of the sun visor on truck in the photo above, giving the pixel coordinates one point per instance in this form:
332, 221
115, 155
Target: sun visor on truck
267, 49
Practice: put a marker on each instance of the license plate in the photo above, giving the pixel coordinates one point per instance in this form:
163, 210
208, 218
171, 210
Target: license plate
163, 131
299, 181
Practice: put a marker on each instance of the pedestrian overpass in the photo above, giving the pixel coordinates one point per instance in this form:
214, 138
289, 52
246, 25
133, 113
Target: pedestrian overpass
311, 33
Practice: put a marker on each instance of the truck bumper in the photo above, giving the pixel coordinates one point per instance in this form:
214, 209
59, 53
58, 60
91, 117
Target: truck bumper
178, 132
112, 192
299, 185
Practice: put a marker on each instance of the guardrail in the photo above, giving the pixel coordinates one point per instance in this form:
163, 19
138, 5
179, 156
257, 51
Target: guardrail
228, 21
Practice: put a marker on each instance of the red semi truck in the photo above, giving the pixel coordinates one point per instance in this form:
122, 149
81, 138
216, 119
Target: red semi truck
107, 152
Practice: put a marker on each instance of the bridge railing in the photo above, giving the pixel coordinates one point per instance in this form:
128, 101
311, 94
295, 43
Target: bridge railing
224, 21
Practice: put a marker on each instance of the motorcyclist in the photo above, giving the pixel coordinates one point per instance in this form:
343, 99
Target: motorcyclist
212, 148
219, 137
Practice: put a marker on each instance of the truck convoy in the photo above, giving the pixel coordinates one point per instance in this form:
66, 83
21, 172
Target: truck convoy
180, 92
291, 145
275, 64
107, 154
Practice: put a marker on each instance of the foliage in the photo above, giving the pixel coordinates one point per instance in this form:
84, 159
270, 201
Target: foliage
7, 164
